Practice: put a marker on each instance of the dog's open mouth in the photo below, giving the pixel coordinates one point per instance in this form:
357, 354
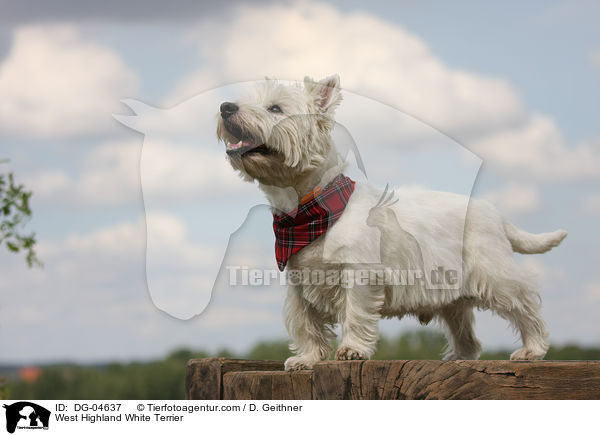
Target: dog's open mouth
246, 144
245, 147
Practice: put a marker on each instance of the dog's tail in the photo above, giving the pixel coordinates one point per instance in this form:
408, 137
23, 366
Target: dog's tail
528, 243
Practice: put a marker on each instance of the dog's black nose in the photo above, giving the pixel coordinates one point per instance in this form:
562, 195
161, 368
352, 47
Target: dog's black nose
228, 109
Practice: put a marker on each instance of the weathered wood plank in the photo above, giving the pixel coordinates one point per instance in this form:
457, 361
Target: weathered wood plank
423, 379
204, 376
337, 380
379, 380
395, 379
569, 380
267, 385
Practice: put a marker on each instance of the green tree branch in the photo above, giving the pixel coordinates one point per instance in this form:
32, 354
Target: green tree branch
15, 211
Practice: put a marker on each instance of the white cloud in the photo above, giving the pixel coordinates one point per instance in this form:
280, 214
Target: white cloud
54, 83
115, 250
90, 301
372, 56
126, 240
536, 150
515, 198
175, 170
109, 175
180, 272
386, 62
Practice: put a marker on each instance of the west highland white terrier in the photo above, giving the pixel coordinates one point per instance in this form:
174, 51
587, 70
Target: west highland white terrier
280, 136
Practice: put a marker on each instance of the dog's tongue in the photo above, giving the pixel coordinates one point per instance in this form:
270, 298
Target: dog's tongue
237, 145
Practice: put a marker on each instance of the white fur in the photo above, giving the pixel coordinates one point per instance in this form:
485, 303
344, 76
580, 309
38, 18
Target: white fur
421, 225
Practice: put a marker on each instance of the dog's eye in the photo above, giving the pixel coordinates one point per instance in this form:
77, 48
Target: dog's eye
275, 109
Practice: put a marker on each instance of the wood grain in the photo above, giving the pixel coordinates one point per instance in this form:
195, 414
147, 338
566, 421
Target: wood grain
394, 380
204, 377
337, 380
268, 385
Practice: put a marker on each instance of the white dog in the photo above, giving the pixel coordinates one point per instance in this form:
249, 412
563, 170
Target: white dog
281, 137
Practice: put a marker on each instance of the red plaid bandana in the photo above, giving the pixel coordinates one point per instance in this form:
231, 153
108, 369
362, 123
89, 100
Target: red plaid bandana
311, 219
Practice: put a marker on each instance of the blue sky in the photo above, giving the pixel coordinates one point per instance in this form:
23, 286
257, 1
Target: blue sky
518, 85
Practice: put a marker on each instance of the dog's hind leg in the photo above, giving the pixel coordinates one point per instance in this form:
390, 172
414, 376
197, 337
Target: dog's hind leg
525, 317
308, 330
462, 343
359, 318
515, 299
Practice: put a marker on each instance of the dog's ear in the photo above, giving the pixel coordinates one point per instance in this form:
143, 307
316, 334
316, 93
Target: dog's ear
326, 92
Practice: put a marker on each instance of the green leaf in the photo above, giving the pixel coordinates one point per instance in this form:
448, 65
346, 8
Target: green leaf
15, 212
12, 247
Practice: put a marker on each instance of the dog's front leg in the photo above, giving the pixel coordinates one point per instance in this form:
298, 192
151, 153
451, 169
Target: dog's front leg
360, 318
308, 330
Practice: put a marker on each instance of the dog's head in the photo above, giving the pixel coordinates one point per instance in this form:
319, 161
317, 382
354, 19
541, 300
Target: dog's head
280, 131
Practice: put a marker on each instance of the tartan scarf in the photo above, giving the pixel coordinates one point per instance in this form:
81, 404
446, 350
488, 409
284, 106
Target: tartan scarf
318, 211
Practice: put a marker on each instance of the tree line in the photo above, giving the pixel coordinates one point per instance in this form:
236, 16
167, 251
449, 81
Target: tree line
164, 379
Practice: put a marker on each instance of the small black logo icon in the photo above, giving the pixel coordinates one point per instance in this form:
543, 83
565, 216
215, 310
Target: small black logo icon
26, 415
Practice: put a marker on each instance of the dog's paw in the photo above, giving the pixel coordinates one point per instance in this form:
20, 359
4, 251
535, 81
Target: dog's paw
528, 354
296, 363
346, 353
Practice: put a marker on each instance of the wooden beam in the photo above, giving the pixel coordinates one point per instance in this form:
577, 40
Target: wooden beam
203, 380
394, 379
268, 385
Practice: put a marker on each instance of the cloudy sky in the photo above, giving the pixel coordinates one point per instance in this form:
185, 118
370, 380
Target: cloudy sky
515, 88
